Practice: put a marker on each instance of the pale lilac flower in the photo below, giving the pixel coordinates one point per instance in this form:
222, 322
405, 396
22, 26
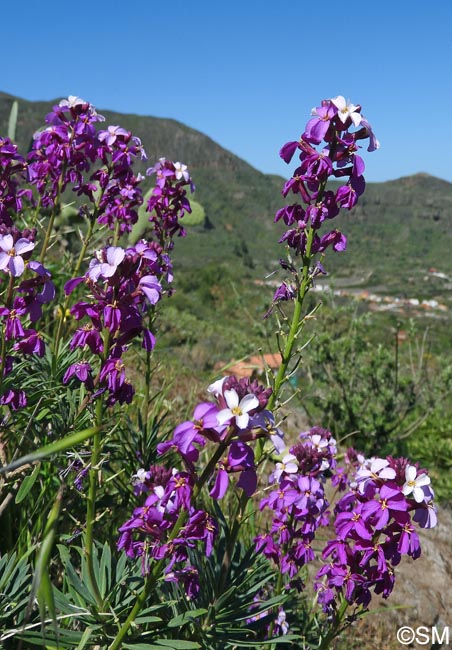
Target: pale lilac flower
288, 465
71, 102
281, 623
318, 442
347, 110
265, 420
377, 468
114, 255
239, 411
413, 484
374, 144
141, 477
111, 134
151, 288
10, 254
425, 514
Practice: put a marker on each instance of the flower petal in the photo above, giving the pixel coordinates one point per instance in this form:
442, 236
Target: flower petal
224, 416
248, 403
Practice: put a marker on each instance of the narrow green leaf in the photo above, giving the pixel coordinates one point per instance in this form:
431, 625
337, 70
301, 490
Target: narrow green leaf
42, 413
274, 641
12, 122
72, 440
85, 638
105, 570
176, 644
27, 484
141, 646
140, 620
75, 582
186, 617
41, 587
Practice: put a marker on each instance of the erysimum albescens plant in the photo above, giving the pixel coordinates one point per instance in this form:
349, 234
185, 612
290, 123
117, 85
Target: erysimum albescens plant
217, 517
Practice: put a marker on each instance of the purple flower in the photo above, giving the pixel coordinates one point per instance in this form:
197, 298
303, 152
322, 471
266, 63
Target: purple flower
390, 501
288, 150
15, 399
354, 521
317, 127
30, 343
221, 484
82, 371
151, 287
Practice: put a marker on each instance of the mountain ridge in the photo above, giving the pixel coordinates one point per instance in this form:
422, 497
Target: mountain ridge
398, 229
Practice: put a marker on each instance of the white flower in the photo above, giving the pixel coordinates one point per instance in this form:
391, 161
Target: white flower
71, 102
347, 110
217, 387
140, 477
181, 171
237, 410
415, 483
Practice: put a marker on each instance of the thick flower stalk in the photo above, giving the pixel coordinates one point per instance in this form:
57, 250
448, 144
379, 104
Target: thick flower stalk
338, 127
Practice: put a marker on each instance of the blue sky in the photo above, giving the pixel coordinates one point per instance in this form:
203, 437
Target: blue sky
248, 73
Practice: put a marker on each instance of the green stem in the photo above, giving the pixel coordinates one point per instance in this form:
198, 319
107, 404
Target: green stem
91, 505
147, 384
334, 630
116, 235
49, 230
295, 326
149, 584
8, 303
75, 272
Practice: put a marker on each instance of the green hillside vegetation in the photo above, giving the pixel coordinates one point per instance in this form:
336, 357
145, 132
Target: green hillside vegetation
399, 230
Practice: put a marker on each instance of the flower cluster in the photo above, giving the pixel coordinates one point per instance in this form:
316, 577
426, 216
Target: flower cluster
375, 526
23, 304
70, 147
340, 126
236, 418
124, 284
152, 532
168, 202
298, 501
12, 174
